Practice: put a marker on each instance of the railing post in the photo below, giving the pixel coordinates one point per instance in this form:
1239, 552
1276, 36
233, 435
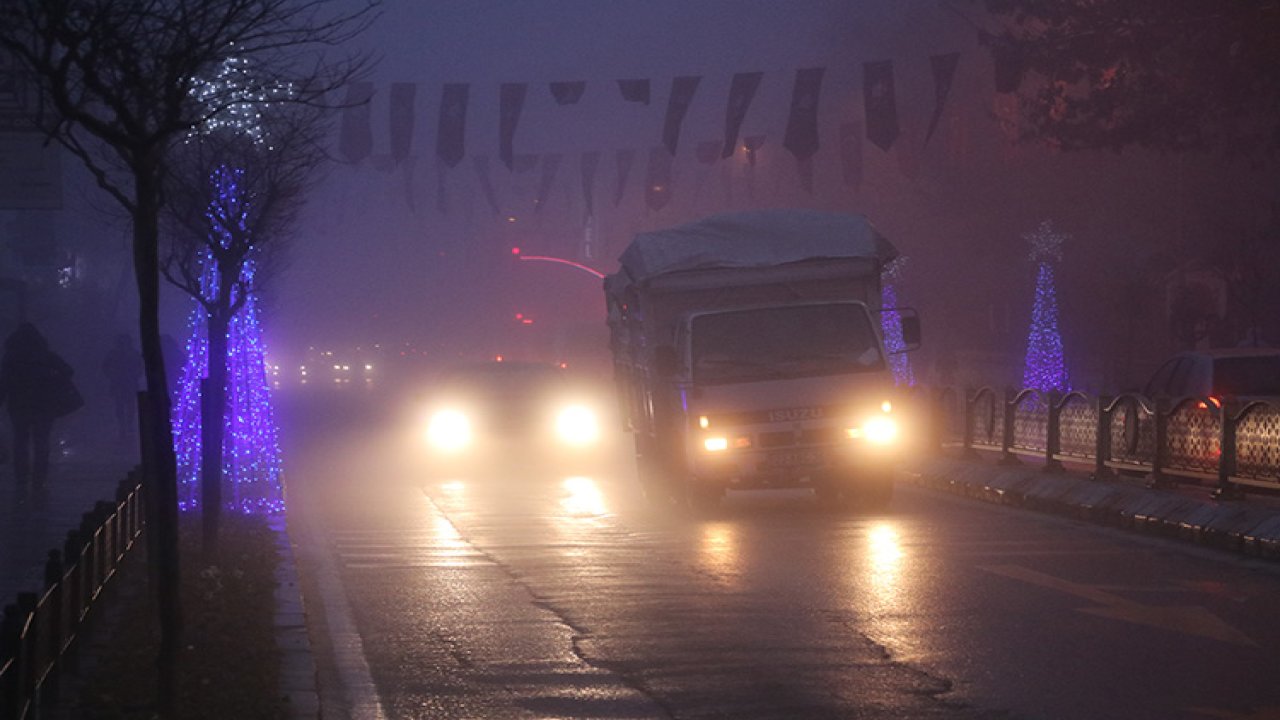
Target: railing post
1159, 454
10, 632
1053, 433
968, 401
28, 646
1008, 428
1102, 443
1228, 452
53, 571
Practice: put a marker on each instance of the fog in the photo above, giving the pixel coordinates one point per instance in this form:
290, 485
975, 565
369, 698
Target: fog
400, 250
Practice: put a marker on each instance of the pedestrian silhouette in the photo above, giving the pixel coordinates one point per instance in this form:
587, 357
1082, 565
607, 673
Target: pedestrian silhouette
36, 387
123, 368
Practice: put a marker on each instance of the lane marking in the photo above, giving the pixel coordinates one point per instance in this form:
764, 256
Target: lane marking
1186, 619
358, 688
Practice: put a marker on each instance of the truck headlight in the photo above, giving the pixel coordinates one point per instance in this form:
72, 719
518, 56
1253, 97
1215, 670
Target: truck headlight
577, 425
880, 430
715, 444
449, 431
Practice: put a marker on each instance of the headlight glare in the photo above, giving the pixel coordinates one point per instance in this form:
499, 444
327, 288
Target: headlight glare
449, 431
880, 430
715, 444
577, 425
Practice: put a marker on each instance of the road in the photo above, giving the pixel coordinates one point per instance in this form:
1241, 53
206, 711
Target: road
533, 591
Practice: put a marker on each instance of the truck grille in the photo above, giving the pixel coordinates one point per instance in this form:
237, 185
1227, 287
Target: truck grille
808, 436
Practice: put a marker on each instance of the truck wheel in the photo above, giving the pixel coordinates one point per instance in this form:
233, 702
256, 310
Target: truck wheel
653, 484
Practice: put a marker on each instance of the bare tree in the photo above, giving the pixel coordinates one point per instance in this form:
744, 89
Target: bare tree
234, 193
117, 79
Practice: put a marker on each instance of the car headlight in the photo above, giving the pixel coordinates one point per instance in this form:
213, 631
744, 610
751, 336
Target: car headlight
577, 425
449, 431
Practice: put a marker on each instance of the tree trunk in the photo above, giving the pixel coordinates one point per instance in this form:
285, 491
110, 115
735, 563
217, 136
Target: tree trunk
162, 468
214, 403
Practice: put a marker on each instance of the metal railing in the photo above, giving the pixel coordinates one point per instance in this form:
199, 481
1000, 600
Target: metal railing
1231, 442
42, 632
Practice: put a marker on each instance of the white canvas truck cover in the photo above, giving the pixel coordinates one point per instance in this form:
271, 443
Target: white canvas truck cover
758, 238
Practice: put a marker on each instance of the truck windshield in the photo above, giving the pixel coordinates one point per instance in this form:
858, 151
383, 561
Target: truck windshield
783, 342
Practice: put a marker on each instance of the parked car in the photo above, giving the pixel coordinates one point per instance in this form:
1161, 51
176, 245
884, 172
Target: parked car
1243, 373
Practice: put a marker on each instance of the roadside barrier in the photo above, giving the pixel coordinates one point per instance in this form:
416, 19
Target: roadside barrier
1233, 443
42, 632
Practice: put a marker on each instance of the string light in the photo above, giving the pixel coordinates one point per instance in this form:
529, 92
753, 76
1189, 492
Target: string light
235, 99
1044, 367
891, 322
251, 458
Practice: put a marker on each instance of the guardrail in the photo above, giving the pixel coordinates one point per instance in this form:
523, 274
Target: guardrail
41, 633
1231, 442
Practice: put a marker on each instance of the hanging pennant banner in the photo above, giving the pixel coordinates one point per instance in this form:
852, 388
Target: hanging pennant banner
626, 158
510, 103
801, 136
355, 139
851, 153
879, 102
634, 90
451, 133
682, 90
741, 93
481, 164
944, 69
657, 191
550, 166
568, 93
401, 116
587, 165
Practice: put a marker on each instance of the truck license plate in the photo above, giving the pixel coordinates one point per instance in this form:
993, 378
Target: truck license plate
793, 458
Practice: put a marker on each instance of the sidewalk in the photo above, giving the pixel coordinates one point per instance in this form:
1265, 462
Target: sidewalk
1249, 526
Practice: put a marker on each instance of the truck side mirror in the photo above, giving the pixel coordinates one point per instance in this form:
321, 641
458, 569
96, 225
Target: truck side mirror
910, 330
665, 361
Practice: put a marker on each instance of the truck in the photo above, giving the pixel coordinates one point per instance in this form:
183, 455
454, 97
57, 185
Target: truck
749, 352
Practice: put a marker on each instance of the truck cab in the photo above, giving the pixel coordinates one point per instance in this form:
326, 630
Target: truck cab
749, 354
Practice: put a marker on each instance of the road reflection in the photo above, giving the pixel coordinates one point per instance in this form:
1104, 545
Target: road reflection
720, 550
582, 498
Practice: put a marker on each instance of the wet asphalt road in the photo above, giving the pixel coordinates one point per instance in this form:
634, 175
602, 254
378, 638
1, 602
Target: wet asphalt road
538, 591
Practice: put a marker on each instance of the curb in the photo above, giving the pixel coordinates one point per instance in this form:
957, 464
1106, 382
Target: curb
298, 684
1244, 527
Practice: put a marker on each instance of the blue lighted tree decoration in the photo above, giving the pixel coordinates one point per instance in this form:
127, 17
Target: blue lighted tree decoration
251, 460
1044, 367
891, 322
260, 154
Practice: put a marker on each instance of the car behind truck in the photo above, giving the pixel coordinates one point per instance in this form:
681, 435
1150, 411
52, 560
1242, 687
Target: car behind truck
748, 353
